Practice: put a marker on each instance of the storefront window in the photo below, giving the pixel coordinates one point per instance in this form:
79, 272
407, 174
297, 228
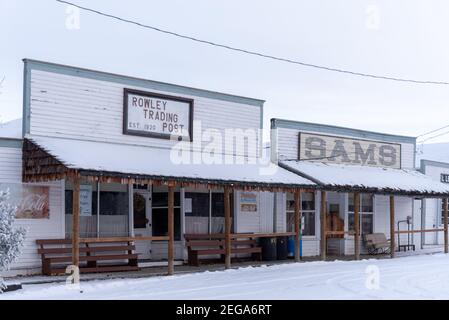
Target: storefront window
204, 212
160, 214
308, 213
197, 210
114, 211
366, 213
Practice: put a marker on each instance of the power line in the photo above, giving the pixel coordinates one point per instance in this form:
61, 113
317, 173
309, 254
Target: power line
425, 134
254, 53
433, 137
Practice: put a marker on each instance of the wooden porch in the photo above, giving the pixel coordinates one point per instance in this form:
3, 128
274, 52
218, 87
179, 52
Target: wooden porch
40, 166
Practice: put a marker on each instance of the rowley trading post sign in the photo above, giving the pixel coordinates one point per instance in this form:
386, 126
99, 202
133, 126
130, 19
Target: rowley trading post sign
342, 150
156, 115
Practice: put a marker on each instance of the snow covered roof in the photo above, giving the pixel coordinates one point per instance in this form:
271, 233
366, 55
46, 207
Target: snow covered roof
11, 129
369, 179
154, 163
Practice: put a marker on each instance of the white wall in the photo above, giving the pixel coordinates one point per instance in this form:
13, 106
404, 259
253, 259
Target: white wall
11, 172
432, 207
287, 146
88, 109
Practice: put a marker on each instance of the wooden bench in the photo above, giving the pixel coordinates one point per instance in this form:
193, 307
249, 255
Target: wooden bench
56, 255
377, 243
206, 245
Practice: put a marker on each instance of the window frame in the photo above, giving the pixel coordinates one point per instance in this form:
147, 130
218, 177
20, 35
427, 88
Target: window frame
362, 213
314, 212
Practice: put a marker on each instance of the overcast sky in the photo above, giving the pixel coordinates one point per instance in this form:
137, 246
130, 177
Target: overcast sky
406, 39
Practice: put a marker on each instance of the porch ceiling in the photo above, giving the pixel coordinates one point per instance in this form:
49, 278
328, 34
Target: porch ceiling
337, 177
46, 158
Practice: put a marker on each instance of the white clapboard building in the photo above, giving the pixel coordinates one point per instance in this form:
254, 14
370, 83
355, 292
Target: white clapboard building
433, 161
375, 164
111, 172
118, 144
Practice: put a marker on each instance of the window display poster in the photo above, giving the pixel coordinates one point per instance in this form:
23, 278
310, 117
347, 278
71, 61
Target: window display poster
248, 202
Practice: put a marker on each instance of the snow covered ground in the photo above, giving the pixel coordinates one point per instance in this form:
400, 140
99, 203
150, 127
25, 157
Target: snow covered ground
412, 277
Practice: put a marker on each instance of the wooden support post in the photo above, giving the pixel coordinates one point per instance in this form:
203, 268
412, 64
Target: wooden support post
323, 222
356, 225
297, 224
227, 212
171, 229
392, 236
76, 223
445, 225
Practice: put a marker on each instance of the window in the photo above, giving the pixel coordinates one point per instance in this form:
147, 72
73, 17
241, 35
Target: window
442, 212
160, 214
200, 204
197, 211
445, 178
114, 213
366, 215
308, 213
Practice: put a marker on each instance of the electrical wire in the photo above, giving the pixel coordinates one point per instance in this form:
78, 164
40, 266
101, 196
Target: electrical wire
254, 53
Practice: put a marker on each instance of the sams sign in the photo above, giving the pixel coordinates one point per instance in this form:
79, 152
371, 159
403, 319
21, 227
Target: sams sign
330, 149
156, 115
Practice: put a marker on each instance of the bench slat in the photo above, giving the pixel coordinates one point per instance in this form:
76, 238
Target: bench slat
53, 241
86, 249
94, 258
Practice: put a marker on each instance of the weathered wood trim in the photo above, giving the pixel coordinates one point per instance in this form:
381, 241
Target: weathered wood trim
227, 209
297, 224
356, 226
76, 223
445, 221
323, 242
171, 229
392, 232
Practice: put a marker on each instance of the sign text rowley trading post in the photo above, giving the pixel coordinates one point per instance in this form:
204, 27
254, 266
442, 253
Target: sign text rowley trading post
342, 150
156, 115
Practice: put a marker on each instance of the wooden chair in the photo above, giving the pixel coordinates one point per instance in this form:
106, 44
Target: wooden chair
377, 243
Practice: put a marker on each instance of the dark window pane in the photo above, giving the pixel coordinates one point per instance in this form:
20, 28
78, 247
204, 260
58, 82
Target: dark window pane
160, 223
351, 202
218, 204
140, 210
140, 186
160, 199
290, 205
351, 222
309, 224
367, 202
308, 201
113, 203
68, 201
200, 204
367, 223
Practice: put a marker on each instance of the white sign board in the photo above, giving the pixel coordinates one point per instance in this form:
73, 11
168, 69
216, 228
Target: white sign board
85, 200
342, 150
156, 115
248, 202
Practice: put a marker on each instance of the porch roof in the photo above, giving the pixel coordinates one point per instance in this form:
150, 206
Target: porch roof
368, 179
50, 157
